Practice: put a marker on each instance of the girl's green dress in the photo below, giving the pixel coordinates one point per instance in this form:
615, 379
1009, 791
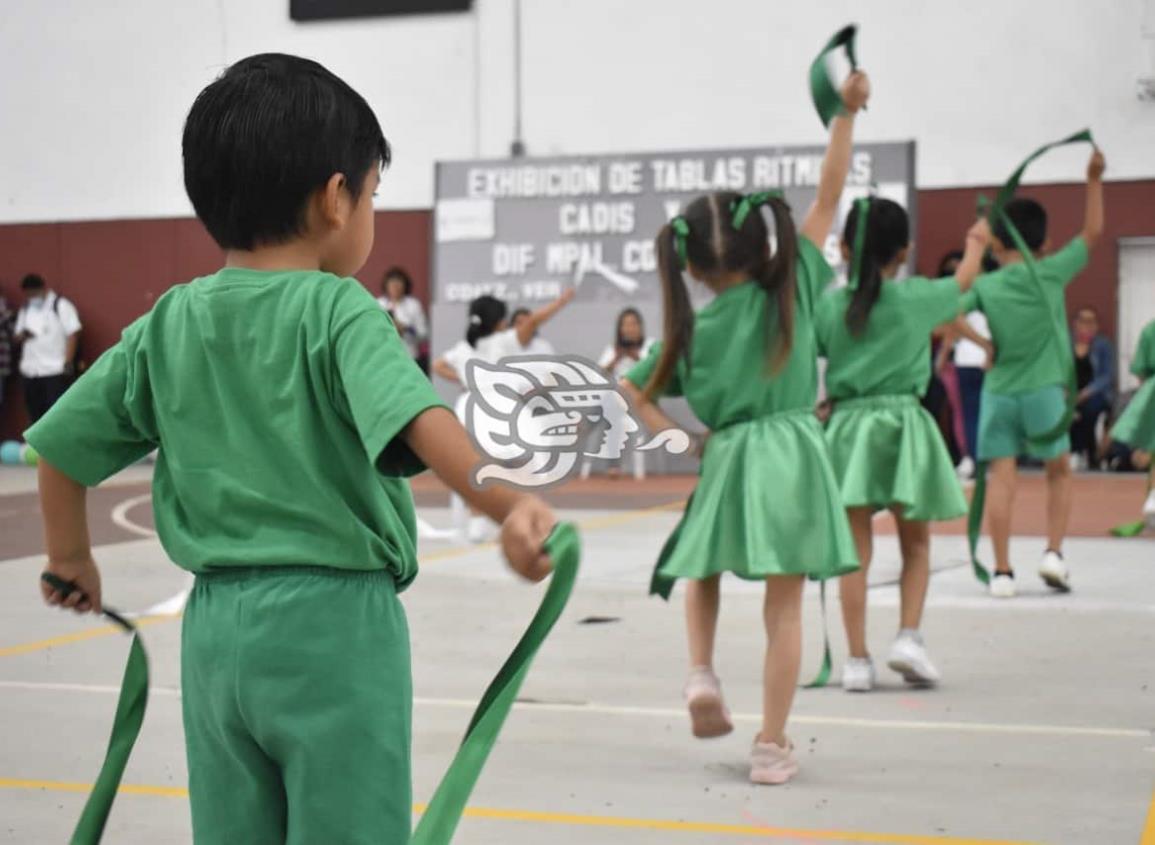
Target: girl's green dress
886, 449
1136, 425
767, 502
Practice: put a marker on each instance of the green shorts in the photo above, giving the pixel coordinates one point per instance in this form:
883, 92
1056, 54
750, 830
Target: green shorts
1007, 420
297, 703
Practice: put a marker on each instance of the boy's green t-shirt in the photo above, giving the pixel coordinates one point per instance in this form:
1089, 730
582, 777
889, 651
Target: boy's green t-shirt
726, 381
1023, 325
275, 399
1143, 364
892, 356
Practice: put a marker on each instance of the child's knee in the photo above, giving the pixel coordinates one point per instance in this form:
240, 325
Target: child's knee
1059, 468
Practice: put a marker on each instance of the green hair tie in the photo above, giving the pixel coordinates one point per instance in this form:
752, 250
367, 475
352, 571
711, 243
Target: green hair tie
681, 229
742, 206
863, 206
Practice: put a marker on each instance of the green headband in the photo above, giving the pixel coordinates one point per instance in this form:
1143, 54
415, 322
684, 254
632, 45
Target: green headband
740, 209
681, 229
863, 206
823, 91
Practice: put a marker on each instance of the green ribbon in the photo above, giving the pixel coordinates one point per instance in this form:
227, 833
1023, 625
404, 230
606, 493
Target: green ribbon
681, 229
863, 206
740, 208
441, 817
1129, 529
827, 667
997, 213
827, 99
125, 727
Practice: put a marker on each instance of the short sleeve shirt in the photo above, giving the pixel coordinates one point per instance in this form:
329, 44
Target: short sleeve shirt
277, 400
1143, 364
49, 321
892, 355
727, 379
1024, 324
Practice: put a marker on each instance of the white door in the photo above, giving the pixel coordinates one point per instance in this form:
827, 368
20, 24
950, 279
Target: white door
1136, 300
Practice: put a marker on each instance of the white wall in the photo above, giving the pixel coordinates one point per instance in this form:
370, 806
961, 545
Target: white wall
94, 94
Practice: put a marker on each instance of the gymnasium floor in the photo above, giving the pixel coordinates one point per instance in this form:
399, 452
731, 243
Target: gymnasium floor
1042, 731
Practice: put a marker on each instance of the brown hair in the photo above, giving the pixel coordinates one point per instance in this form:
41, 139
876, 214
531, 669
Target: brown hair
715, 247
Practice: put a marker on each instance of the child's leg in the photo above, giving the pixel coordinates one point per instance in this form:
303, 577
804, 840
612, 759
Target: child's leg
999, 505
852, 587
235, 788
914, 540
782, 613
1058, 500
702, 601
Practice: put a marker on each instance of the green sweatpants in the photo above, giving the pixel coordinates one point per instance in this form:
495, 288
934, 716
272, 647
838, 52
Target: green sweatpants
297, 708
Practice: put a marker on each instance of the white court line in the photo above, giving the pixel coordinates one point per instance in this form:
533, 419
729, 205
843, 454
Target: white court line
120, 518
664, 712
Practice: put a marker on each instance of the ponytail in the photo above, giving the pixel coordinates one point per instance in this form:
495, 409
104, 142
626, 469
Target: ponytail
679, 314
878, 229
485, 315
777, 276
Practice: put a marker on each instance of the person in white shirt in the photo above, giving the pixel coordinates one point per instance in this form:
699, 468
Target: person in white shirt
630, 344
490, 339
971, 362
408, 316
48, 328
537, 345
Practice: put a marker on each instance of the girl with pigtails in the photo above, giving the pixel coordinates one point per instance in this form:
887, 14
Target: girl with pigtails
886, 449
767, 505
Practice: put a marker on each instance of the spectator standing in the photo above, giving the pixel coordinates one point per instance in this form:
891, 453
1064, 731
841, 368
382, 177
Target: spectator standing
48, 329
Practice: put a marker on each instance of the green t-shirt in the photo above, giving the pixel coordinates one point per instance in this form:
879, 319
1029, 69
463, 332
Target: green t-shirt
727, 381
1143, 364
276, 400
1023, 325
892, 356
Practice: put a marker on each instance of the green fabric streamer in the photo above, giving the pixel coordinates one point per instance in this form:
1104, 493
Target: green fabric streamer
827, 99
827, 667
681, 229
441, 817
997, 213
1129, 529
125, 727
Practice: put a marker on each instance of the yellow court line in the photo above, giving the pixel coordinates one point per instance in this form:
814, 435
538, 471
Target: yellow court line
78, 636
579, 820
1148, 837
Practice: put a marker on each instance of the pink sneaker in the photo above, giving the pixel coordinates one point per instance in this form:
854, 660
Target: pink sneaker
709, 717
771, 764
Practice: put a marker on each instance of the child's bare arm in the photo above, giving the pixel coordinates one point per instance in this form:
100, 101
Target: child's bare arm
62, 502
536, 319
443, 445
978, 239
651, 414
446, 370
1093, 216
836, 164
965, 329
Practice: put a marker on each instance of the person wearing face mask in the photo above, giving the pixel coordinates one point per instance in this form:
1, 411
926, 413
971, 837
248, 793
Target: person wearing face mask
48, 329
1095, 373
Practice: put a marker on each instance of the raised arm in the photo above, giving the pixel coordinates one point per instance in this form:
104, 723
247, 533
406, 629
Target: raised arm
1093, 215
836, 164
536, 319
978, 239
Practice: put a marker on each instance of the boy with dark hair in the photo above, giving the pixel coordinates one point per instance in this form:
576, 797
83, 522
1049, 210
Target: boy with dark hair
1024, 393
286, 412
48, 328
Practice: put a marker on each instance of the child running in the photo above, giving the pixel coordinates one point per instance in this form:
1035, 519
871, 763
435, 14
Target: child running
766, 506
1023, 394
886, 449
287, 412
1136, 426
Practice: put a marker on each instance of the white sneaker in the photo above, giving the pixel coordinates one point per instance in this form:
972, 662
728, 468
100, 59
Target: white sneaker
709, 716
1053, 570
858, 674
966, 469
481, 530
908, 657
1002, 585
1149, 510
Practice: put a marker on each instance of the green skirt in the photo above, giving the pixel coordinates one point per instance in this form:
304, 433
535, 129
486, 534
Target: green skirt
766, 504
1136, 427
888, 451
